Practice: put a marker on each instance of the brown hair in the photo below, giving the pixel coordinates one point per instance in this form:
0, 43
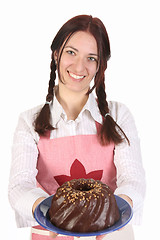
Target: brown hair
110, 131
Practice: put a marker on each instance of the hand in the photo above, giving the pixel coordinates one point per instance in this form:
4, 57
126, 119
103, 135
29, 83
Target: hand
100, 237
53, 234
128, 199
38, 201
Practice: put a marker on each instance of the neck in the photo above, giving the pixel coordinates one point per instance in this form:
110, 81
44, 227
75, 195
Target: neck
72, 102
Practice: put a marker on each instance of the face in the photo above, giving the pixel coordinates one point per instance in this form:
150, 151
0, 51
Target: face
79, 62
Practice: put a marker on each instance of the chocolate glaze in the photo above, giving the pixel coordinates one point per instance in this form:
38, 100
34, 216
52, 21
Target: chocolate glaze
84, 205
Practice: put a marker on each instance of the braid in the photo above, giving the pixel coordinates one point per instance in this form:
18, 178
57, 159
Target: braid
50, 94
108, 132
102, 103
42, 122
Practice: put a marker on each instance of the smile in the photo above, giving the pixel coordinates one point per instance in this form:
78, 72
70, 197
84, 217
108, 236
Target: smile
77, 77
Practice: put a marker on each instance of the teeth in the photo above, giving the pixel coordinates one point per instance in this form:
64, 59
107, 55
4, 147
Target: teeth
76, 76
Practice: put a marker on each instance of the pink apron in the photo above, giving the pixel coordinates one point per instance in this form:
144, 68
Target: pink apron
73, 157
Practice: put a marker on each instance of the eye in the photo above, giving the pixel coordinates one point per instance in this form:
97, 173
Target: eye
71, 52
92, 59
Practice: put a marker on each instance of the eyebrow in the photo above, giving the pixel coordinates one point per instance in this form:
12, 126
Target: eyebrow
92, 54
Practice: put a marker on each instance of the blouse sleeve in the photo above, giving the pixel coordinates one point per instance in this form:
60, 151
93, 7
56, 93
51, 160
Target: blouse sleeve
23, 191
128, 162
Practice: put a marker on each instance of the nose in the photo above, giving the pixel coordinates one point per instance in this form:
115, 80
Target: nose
79, 65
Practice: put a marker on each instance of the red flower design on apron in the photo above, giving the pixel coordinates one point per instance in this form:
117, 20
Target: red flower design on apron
77, 170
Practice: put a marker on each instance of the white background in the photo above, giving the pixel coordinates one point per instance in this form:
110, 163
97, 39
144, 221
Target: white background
26, 32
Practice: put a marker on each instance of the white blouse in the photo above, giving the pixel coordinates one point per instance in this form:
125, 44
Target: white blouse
23, 191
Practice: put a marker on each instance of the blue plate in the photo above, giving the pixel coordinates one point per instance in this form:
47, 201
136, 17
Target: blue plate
42, 218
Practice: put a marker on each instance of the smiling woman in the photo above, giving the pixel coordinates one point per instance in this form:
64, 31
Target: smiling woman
75, 134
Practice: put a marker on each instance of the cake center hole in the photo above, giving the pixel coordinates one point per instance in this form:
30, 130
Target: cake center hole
83, 187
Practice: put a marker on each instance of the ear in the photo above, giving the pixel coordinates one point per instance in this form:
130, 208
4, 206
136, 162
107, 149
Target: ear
55, 57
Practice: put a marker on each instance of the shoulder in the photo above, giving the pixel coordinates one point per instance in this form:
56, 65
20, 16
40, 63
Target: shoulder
30, 114
26, 120
122, 115
118, 110
124, 118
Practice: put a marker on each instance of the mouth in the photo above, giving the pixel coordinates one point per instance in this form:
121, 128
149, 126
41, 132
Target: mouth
75, 76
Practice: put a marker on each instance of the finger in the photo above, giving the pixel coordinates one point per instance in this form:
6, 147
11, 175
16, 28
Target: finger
121, 229
53, 234
100, 237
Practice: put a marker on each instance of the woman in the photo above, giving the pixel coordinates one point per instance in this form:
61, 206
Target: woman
74, 128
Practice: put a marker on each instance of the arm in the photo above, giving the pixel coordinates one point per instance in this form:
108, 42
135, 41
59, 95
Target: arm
130, 172
23, 191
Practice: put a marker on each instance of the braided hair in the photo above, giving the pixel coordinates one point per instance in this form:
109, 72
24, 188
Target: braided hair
109, 131
42, 122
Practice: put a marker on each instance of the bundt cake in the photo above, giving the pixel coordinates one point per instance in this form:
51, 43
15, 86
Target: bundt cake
83, 205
